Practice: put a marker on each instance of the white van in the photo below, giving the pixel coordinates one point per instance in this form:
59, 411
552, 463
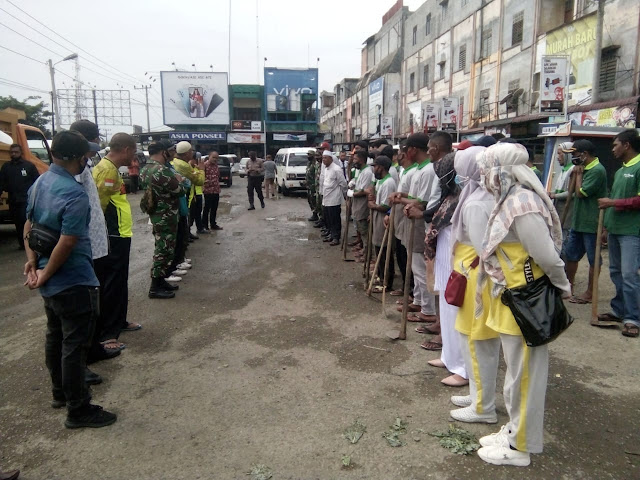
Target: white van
291, 169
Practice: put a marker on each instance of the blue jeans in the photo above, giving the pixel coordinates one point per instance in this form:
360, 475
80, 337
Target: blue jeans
624, 275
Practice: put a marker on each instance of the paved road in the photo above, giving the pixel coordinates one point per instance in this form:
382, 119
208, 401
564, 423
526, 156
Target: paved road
268, 352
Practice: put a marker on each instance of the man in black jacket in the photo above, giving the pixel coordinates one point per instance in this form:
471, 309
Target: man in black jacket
16, 177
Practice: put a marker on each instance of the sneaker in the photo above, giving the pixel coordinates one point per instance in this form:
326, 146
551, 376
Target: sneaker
500, 455
499, 439
262, 204
193, 236
468, 415
461, 400
173, 278
216, 227
183, 266
251, 208
58, 403
92, 416
203, 231
179, 272
187, 260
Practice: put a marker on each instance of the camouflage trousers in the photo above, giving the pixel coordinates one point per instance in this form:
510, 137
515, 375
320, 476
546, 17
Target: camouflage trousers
164, 232
311, 198
318, 208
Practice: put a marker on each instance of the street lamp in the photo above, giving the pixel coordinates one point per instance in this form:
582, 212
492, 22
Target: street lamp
54, 95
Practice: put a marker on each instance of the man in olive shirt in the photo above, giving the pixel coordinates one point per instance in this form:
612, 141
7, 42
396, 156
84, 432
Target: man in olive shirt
591, 184
255, 175
622, 222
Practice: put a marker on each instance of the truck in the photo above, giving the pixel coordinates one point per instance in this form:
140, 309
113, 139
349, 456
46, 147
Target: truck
35, 149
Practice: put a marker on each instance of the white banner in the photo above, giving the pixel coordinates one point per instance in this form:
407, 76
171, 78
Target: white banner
415, 109
288, 137
387, 126
553, 83
449, 112
233, 137
195, 98
431, 112
376, 105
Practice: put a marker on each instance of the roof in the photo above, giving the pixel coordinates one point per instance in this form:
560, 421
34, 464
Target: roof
392, 63
520, 119
602, 105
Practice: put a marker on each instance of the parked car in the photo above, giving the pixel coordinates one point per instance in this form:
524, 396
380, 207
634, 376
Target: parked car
242, 169
291, 169
233, 161
224, 165
124, 173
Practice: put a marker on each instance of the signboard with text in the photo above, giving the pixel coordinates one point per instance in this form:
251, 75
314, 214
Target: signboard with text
291, 90
449, 113
233, 137
201, 136
553, 83
195, 98
386, 129
246, 125
431, 112
376, 105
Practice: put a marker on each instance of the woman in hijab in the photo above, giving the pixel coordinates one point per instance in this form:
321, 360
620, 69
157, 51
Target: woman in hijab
438, 246
523, 232
480, 344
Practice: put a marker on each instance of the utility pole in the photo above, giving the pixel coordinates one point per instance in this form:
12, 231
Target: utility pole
146, 94
95, 107
595, 87
54, 97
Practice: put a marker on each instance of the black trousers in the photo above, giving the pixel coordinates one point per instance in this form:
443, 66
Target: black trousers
195, 212
255, 184
211, 201
333, 221
401, 258
19, 214
135, 181
182, 240
71, 319
392, 270
113, 273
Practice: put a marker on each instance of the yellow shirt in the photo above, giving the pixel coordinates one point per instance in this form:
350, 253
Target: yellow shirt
195, 176
113, 199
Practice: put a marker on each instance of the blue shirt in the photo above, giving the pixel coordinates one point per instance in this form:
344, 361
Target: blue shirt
61, 204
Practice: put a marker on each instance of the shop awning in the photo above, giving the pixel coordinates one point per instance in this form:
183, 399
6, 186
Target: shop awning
602, 105
521, 119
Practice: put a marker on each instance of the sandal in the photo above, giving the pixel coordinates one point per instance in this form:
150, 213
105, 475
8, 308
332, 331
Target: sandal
397, 293
113, 345
377, 289
579, 300
630, 330
421, 318
431, 345
609, 317
132, 327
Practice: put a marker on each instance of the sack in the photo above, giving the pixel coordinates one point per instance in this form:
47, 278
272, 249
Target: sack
42, 240
148, 202
539, 310
457, 285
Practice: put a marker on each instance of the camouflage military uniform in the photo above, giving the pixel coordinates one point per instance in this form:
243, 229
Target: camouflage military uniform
167, 189
318, 208
311, 183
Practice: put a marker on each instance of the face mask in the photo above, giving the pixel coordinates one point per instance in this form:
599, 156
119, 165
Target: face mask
460, 180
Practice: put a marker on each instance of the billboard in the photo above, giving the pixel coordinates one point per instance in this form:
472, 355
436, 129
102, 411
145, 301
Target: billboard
623, 116
431, 112
376, 89
233, 137
387, 126
415, 110
246, 125
577, 40
289, 90
553, 82
195, 98
449, 113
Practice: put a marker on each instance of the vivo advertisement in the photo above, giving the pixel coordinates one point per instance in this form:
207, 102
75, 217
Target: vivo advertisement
284, 89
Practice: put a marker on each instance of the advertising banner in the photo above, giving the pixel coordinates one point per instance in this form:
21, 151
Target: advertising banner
201, 136
376, 104
195, 98
449, 113
288, 137
284, 88
387, 126
246, 125
623, 116
415, 118
553, 83
577, 40
245, 137
431, 111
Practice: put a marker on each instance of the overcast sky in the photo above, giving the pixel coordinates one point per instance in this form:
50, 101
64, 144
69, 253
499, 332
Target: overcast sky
138, 37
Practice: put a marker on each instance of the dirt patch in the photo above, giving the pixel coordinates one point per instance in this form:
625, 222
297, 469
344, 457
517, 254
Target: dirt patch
285, 333
369, 354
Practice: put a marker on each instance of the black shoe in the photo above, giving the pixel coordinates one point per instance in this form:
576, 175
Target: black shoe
91, 378
251, 208
164, 285
193, 237
103, 355
92, 416
262, 204
161, 289
57, 403
326, 239
313, 218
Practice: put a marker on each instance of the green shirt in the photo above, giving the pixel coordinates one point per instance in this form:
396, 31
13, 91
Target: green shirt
585, 209
626, 184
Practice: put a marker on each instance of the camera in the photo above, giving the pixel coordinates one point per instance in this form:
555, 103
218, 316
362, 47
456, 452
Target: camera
577, 159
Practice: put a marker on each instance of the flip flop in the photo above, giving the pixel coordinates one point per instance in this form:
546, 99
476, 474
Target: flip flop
132, 327
609, 317
113, 345
579, 300
377, 289
630, 330
396, 293
431, 346
420, 318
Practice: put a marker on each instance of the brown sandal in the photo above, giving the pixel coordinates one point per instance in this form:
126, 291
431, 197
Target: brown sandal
630, 330
431, 346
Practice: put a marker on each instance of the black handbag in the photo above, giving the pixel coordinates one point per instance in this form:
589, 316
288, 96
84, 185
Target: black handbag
538, 309
41, 239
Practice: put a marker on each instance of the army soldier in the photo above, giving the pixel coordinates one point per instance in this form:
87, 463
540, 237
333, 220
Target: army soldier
162, 189
311, 185
318, 210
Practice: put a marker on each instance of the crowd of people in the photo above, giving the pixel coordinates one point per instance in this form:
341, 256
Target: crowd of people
481, 211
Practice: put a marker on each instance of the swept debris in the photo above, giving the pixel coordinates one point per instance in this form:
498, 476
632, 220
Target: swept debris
260, 472
346, 461
458, 440
393, 435
354, 432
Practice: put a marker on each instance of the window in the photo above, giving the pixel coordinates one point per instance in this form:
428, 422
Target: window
462, 57
428, 25
465, 2
412, 82
516, 28
568, 10
483, 104
485, 50
513, 86
425, 76
441, 70
415, 35
608, 69
358, 107
445, 8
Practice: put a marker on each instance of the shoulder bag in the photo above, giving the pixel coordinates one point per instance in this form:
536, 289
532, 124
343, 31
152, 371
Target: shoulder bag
457, 285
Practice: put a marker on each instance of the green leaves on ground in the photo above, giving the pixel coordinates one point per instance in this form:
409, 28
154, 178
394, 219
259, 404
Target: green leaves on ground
458, 440
393, 435
346, 461
260, 472
354, 432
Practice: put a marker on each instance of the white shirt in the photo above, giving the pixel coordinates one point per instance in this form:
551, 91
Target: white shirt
399, 220
394, 174
334, 186
383, 191
359, 208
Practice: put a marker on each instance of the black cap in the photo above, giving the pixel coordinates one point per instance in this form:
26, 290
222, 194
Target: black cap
387, 151
581, 145
86, 128
485, 141
362, 144
418, 140
159, 146
69, 145
384, 162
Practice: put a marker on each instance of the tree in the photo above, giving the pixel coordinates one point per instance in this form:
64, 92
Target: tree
37, 115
